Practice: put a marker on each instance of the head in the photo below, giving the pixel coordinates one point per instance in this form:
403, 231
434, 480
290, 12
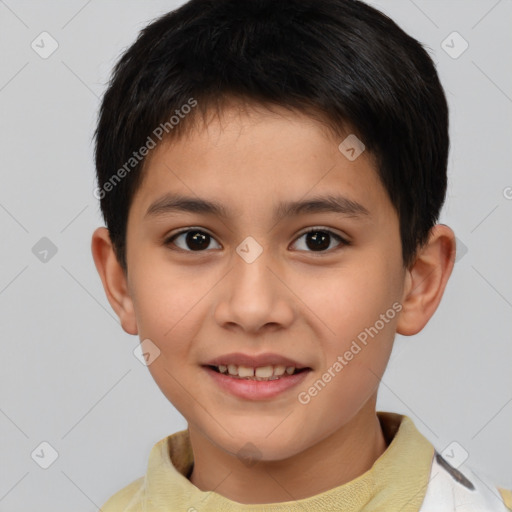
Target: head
218, 122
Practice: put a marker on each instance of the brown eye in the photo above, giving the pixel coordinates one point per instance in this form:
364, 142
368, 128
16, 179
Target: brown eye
194, 240
319, 240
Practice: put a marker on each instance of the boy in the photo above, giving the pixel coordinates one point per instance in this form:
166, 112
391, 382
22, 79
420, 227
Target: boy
271, 174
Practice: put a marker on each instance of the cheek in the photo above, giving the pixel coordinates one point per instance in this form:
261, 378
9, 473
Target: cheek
359, 311
352, 299
161, 293
166, 308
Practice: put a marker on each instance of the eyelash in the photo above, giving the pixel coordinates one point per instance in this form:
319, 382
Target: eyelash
343, 242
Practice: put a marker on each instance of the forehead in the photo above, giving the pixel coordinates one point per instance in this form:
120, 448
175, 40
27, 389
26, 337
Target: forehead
256, 162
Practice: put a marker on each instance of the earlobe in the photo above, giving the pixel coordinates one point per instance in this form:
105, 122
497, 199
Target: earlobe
426, 280
114, 279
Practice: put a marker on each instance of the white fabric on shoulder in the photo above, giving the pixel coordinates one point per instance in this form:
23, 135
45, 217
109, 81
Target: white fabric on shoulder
449, 490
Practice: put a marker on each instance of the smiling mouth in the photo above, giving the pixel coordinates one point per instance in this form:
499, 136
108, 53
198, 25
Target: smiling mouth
262, 373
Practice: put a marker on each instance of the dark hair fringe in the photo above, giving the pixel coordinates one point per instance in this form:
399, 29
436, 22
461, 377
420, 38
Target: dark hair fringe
340, 61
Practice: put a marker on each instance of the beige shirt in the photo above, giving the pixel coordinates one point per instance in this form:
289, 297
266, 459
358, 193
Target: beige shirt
397, 481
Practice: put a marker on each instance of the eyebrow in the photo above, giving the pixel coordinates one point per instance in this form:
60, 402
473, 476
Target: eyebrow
175, 203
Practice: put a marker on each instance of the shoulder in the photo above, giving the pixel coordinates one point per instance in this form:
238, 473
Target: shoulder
128, 499
507, 497
453, 490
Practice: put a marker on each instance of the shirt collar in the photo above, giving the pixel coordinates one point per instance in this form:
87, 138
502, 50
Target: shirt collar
397, 480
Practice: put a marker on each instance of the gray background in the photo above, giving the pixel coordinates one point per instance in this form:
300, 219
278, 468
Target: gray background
68, 373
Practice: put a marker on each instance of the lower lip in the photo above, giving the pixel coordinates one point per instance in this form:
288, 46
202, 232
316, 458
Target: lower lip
256, 389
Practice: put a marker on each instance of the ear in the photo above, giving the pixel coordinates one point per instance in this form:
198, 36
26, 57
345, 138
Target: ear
114, 279
426, 280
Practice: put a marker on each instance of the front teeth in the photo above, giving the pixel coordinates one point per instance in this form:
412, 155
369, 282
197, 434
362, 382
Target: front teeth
260, 373
263, 371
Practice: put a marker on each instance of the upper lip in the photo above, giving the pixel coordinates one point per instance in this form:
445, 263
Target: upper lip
254, 361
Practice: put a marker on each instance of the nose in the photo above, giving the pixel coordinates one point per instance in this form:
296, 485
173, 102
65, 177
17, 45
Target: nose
255, 296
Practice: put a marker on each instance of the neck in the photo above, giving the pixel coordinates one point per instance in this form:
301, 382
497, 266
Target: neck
341, 457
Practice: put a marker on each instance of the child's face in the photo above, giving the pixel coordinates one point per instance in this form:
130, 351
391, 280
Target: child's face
293, 300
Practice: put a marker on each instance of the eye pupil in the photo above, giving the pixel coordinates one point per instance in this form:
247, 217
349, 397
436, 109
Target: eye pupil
319, 239
197, 237
316, 240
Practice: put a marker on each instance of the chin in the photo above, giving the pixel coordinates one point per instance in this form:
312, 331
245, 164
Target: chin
262, 443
